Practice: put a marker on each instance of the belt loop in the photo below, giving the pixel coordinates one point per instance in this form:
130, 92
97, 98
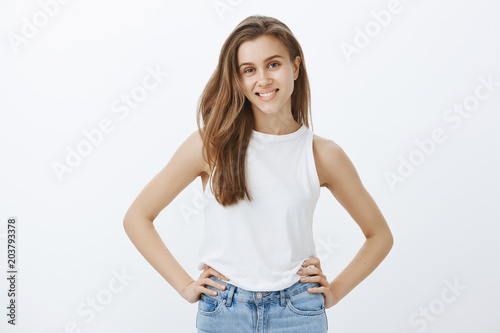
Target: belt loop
282, 297
230, 294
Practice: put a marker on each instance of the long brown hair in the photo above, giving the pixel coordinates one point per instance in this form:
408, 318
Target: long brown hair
227, 113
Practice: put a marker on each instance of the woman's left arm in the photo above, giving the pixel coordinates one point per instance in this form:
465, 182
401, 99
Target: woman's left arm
338, 174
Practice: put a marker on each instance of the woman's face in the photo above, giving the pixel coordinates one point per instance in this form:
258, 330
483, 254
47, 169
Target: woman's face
267, 75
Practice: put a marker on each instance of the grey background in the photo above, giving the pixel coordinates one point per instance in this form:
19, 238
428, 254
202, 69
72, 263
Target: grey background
70, 74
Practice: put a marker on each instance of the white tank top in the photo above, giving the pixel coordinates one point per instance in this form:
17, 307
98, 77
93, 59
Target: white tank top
260, 245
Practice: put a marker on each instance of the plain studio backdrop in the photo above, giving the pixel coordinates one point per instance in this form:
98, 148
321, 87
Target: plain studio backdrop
97, 96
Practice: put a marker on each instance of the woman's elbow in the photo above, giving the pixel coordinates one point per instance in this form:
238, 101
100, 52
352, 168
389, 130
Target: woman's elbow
388, 239
384, 237
133, 220
127, 223
130, 220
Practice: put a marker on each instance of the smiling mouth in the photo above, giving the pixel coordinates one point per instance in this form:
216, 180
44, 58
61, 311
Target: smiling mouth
267, 94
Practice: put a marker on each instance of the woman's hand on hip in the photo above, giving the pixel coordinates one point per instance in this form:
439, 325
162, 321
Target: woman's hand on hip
192, 292
316, 275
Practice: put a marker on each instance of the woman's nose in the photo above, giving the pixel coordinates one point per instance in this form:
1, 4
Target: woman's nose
263, 78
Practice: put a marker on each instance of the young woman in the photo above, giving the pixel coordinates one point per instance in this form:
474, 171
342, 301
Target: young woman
261, 169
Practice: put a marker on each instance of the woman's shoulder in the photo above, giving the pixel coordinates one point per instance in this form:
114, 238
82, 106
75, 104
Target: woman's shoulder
328, 156
196, 145
325, 146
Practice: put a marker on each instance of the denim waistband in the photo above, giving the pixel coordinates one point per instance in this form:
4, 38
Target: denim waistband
233, 293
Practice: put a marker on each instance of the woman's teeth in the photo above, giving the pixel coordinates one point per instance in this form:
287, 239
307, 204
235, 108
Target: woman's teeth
268, 94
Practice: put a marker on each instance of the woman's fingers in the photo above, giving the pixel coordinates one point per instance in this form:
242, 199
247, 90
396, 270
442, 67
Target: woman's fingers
203, 282
312, 261
208, 291
314, 273
215, 284
311, 271
206, 280
211, 271
217, 274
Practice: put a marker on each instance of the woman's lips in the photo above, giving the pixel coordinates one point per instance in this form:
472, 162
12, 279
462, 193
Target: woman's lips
267, 96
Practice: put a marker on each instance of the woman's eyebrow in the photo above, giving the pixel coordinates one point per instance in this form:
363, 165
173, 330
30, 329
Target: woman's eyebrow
265, 60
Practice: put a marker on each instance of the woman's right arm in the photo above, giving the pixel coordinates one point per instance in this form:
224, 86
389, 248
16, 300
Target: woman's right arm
185, 165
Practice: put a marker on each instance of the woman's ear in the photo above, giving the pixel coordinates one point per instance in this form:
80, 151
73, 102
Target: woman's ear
296, 66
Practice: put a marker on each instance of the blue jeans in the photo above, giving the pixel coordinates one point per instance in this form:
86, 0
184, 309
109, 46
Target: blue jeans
236, 310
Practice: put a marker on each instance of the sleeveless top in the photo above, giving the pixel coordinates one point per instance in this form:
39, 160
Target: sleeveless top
260, 245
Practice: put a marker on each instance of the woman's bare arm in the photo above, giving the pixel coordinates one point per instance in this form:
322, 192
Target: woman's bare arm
185, 165
338, 174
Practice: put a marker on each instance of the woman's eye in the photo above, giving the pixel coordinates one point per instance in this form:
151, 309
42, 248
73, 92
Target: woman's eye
248, 70
272, 65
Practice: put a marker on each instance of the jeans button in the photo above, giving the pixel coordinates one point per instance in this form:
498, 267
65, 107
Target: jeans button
259, 295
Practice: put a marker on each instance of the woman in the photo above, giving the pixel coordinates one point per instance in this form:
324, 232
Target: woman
261, 169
